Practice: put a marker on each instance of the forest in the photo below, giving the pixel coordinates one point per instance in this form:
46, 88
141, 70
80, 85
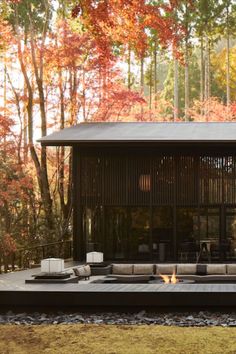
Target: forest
63, 62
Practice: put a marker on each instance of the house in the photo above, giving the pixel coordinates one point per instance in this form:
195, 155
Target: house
153, 191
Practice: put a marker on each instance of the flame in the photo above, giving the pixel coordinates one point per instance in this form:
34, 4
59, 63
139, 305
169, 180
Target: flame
169, 280
173, 279
165, 278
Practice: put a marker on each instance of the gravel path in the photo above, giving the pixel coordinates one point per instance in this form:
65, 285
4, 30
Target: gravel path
186, 319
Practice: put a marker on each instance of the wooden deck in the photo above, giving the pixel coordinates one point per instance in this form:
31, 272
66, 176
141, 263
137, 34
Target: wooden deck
14, 293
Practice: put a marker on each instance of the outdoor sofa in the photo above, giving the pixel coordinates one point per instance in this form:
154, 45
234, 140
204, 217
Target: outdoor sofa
197, 272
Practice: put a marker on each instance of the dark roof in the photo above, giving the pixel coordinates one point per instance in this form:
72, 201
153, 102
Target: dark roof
131, 132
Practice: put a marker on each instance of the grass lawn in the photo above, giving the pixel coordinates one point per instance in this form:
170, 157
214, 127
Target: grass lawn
111, 339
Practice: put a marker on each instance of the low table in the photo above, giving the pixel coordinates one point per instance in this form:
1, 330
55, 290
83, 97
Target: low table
55, 278
51, 276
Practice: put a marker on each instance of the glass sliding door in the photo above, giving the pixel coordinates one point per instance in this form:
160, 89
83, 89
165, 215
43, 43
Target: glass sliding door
139, 233
162, 233
116, 241
228, 244
209, 230
187, 232
92, 228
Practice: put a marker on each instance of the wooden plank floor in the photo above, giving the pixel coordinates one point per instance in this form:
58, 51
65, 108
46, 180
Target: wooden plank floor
14, 292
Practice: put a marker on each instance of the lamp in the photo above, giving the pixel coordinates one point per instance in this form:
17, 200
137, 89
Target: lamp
94, 257
145, 183
52, 265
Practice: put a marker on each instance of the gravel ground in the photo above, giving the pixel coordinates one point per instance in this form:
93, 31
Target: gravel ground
186, 319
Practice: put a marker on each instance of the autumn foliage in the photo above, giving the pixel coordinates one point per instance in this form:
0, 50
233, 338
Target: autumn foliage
108, 60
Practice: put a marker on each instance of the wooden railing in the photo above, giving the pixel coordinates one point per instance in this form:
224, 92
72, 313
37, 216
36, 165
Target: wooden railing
30, 257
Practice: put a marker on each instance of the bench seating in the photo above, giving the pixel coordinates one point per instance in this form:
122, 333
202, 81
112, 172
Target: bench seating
197, 272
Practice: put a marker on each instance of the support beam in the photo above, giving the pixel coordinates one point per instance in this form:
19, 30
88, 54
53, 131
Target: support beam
79, 244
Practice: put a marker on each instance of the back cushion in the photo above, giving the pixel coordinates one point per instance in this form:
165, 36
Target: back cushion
186, 268
125, 269
216, 269
143, 269
87, 270
231, 268
165, 268
83, 271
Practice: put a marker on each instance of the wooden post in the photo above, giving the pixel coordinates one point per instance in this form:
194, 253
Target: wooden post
79, 242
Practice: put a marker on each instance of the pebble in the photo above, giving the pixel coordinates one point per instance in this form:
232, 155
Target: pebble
181, 319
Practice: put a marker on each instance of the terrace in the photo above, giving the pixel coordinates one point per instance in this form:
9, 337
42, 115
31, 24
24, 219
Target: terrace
151, 193
15, 293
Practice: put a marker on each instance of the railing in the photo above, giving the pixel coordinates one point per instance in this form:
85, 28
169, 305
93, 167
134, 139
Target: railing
31, 256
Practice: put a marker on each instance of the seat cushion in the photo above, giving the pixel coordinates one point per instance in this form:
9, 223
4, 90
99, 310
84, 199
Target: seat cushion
216, 269
143, 269
134, 278
165, 268
122, 268
186, 268
231, 268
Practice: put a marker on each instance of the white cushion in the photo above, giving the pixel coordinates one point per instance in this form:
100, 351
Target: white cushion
143, 269
186, 268
216, 268
165, 268
122, 268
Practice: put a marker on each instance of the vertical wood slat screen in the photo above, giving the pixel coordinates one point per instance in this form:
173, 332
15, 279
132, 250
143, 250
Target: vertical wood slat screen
163, 176
211, 180
186, 180
229, 179
139, 181
91, 180
115, 181
158, 180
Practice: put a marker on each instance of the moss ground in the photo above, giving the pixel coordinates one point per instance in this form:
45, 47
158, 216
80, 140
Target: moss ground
107, 339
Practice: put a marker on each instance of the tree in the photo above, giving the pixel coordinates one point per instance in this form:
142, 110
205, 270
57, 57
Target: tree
15, 190
227, 29
193, 79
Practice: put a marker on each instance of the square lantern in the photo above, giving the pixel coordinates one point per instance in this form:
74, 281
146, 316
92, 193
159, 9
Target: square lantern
94, 257
52, 265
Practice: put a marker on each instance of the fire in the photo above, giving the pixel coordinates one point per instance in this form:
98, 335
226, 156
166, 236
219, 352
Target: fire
169, 280
165, 278
173, 279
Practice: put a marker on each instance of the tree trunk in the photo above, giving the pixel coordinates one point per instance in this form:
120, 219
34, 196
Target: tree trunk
38, 71
207, 71
142, 75
202, 76
186, 83
150, 88
176, 89
142, 82
41, 168
155, 71
227, 62
129, 68
207, 88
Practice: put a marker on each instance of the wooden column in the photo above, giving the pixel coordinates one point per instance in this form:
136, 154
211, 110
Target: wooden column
79, 244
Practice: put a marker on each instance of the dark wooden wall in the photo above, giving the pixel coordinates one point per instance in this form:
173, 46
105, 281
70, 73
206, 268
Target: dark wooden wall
151, 176
159, 179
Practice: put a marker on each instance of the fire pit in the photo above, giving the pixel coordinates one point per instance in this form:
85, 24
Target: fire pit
180, 281
172, 279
